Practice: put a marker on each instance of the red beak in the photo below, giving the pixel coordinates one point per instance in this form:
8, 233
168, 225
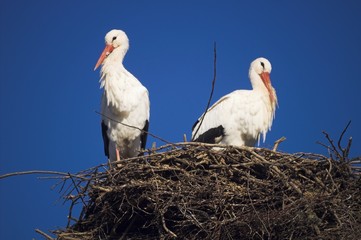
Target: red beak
107, 50
267, 82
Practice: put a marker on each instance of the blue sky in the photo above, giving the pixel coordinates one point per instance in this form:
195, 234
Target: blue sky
49, 92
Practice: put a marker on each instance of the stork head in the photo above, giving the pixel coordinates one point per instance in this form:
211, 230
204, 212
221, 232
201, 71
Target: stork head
261, 65
116, 45
261, 69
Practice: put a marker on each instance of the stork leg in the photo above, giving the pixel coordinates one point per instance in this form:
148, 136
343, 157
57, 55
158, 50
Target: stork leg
118, 154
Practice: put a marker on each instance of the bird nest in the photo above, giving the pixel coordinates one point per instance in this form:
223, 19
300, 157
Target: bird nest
192, 191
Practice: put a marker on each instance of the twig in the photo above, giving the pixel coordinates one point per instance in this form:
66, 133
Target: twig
127, 125
207, 145
185, 138
329, 175
277, 143
77, 189
127, 229
166, 228
211, 95
344, 151
333, 149
33, 172
44, 234
70, 213
336, 150
254, 209
348, 147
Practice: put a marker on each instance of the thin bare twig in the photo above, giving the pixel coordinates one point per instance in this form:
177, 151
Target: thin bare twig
166, 228
211, 95
277, 143
80, 194
255, 210
33, 172
340, 152
344, 151
44, 234
130, 126
333, 148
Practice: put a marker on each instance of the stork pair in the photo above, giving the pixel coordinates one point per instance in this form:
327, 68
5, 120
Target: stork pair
238, 118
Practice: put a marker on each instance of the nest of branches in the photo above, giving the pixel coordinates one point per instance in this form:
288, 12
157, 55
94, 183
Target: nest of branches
193, 191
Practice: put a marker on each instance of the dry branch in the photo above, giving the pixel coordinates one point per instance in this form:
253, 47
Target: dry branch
212, 89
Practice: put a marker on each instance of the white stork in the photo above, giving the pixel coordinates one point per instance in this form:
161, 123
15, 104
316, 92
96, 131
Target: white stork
125, 101
240, 117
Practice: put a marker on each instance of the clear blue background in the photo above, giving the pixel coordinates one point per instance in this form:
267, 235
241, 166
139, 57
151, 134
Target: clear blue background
49, 92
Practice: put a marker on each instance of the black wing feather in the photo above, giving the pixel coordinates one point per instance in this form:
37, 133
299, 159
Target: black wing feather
144, 135
210, 135
194, 125
105, 138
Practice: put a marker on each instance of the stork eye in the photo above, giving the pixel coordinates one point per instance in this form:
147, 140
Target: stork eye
262, 64
114, 38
